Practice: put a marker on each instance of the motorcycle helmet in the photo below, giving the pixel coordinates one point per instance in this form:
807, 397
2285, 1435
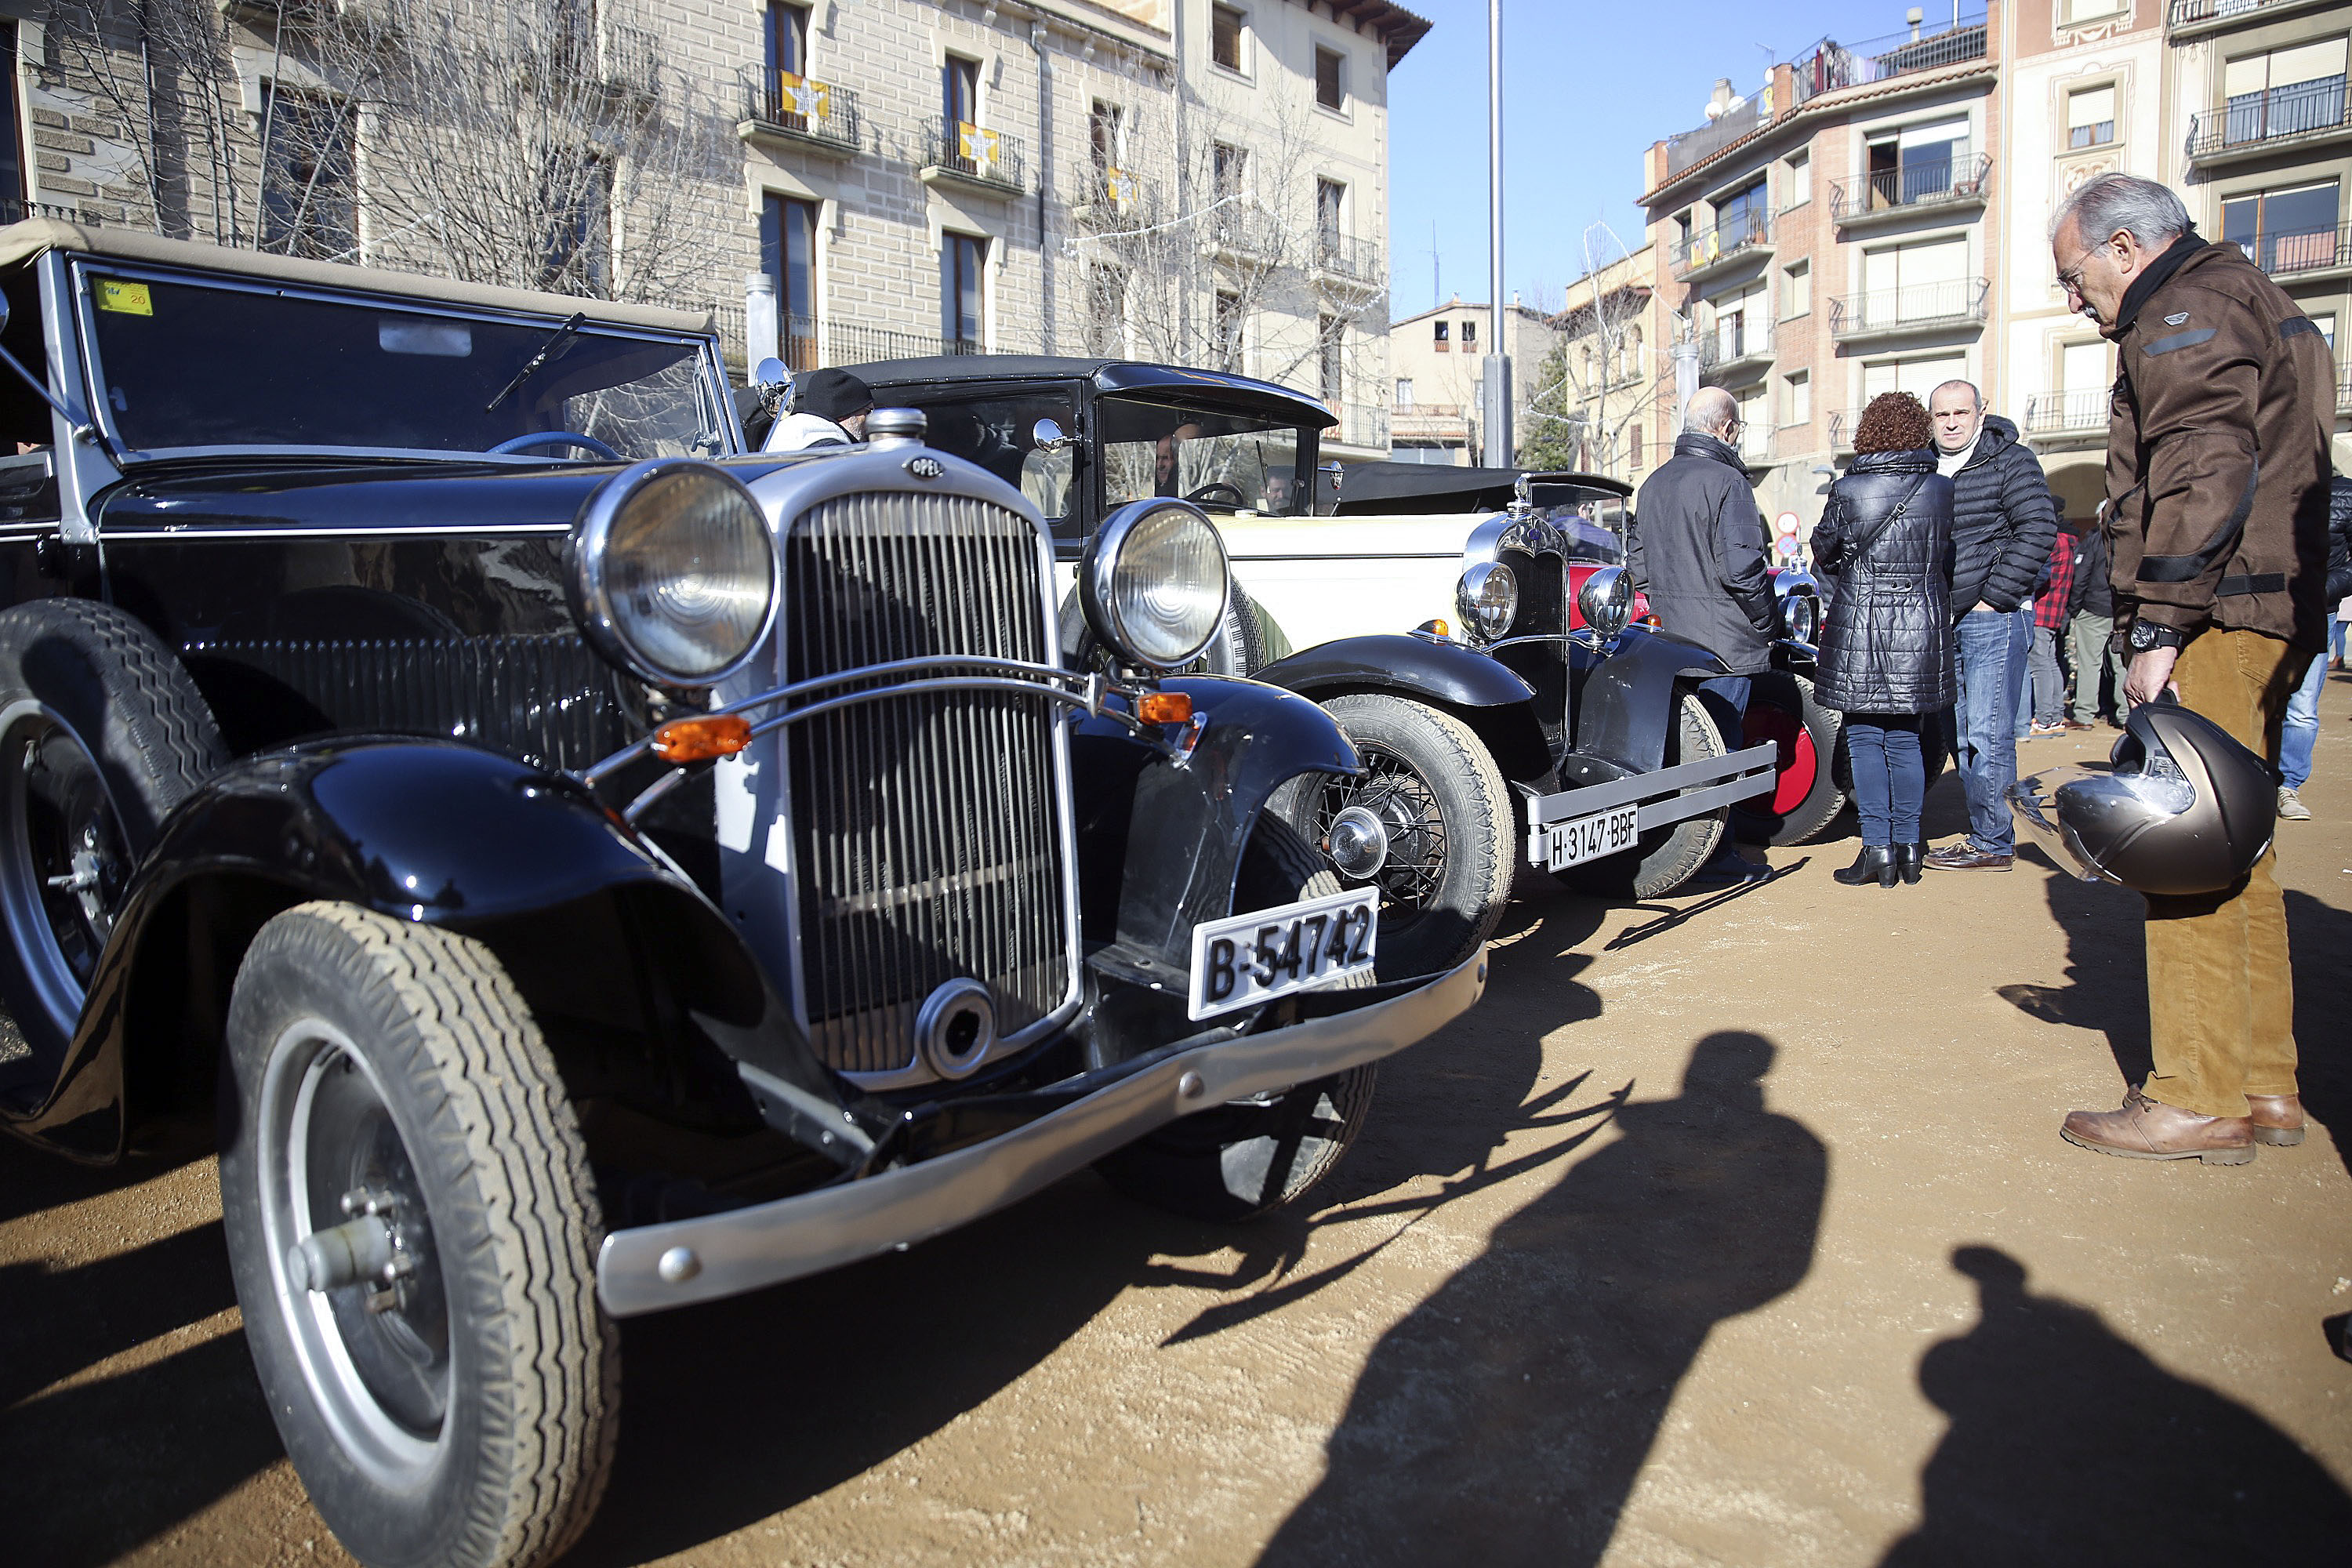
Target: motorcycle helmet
2181, 809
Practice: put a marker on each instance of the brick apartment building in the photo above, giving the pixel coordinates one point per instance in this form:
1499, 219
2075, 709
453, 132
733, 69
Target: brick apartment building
909, 177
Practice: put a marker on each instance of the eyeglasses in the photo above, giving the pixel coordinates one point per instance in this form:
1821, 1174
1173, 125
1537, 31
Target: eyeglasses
2070, 277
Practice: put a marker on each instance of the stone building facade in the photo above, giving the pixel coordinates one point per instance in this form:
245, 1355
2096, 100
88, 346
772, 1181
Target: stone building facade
1203, 179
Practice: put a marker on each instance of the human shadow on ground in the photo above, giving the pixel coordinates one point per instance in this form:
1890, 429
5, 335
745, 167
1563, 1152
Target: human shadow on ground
739, 1409
1505, 1419
97, 1464
2068, 1444
2107, 989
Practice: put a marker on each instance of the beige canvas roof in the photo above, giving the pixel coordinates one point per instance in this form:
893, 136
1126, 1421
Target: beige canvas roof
22, 241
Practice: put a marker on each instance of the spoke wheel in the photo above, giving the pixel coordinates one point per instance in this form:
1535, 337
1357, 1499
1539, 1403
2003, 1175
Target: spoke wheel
65, 867
1413, 875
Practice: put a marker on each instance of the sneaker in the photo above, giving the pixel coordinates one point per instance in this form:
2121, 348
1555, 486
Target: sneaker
2290, 805
2043, 731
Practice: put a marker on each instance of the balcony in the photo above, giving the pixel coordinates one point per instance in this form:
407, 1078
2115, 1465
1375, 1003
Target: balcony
2308, 115
2343, 387
1945, 184
958, 152
1717, 249
1734, 355
1920, 309
2185, 19
1830, 65
2305, 257
782, 109
1242, 233
1842, 427
1362, 424
1343, 259
1106, 198
2068, 419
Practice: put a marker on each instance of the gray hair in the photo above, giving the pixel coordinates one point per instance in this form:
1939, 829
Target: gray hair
2149, 212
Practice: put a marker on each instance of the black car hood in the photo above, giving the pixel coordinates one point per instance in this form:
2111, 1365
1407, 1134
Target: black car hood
361, 495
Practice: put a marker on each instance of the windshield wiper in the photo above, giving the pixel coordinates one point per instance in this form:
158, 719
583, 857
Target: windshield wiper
556, 340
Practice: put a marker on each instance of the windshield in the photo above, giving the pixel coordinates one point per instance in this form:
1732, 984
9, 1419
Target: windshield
1225, 462
190, 363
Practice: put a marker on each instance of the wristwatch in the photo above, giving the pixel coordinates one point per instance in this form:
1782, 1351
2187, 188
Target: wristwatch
2145, 635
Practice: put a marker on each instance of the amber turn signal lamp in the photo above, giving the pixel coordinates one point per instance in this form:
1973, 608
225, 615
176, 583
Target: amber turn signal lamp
1435, 627
1164, 707
702, 737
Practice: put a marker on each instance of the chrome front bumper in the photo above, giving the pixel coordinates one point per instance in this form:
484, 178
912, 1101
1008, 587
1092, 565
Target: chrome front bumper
1668, 794
650, 1268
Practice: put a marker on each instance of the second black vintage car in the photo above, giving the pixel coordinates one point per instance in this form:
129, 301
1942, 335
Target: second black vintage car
580, 869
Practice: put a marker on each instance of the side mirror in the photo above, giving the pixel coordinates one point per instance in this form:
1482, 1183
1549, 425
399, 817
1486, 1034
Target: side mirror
773, 383
1047, 437
1606, 601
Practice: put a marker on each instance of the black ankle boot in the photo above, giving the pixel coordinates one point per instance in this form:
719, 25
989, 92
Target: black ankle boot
1874, 863
1907, 861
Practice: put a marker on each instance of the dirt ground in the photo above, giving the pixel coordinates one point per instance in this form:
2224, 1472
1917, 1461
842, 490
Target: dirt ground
1731, 1229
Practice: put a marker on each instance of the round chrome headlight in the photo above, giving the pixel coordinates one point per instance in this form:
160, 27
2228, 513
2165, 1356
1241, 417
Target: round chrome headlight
1801, 613
1153, 585
1606, 601
673, 572
1488, 598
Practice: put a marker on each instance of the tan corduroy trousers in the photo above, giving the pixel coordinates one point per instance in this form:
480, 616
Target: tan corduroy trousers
2221, 998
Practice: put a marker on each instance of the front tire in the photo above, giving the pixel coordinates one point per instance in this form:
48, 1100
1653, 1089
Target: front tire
449, 1395
1436, 790
1251, 1157
1665, 857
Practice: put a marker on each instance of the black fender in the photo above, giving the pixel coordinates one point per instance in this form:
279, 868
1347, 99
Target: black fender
1160, 840
1493, 699
1626, 702
1792, 657
584, 913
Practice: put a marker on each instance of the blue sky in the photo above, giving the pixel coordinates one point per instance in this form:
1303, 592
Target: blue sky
1586, 87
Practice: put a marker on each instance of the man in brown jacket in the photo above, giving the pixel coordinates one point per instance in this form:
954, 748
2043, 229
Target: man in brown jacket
2217, 519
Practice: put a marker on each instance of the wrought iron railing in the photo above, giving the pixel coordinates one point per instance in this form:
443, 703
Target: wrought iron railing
1919, 307
2281, 114
2190, 12
1244, 230
1829, 65
1345, 256
796, 106
1362, 424
2343, 387
2067, 413
1734, 342
976, 152
2283, 254
1709, 246
1958, 176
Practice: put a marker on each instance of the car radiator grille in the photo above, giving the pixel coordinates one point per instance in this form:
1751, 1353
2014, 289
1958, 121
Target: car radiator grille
926, 827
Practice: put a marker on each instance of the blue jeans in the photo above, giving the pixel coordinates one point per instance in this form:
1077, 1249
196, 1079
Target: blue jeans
1890, 780
2022, 709
1992, 670
2302, 731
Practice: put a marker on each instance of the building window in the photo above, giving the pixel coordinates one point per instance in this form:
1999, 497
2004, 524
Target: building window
1105, 329
1227, 326
1916, 162
1916, 283
1469, 337
1330, 78
1919, 377
2326, 321
1739, 217
962, 260
1105, 122
1229, 169
960, 91
1331, 342
1798, 181
1797, 291
1330, 206
2292, 230
12, 155
788, 256
785, 39
577, 248
2285, 93
1440, 342
1800, 399
310, 193
1742, 327
1404, 392
2092, 10
1633, 444
2090, 117
1226, 36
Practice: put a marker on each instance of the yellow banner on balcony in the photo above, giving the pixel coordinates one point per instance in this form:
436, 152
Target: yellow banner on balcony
811, 99
1119, 185
976, 146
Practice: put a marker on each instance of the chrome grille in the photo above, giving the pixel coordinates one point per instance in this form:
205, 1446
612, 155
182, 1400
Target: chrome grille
926, 827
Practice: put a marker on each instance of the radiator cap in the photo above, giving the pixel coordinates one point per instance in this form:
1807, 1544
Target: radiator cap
896, 426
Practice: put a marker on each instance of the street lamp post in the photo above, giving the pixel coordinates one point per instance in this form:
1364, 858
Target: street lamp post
1495, 390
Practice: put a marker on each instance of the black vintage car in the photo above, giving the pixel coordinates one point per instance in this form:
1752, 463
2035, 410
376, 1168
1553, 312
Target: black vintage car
587, 868
1521, 741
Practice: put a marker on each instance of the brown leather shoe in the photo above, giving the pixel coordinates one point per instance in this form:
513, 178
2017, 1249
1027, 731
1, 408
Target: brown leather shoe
1965, 857
2080, 724
2277, 1119
2148, 1129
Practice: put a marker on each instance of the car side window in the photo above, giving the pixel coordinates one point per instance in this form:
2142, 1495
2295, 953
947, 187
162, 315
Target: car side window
998, 433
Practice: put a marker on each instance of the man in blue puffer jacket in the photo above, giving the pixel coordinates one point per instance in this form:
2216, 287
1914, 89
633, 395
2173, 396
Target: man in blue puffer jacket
2002, 524
2301, 728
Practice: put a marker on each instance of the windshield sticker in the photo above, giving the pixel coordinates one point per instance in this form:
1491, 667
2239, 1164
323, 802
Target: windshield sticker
446, 339
126, 298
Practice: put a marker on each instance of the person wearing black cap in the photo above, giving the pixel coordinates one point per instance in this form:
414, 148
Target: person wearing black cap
829, 409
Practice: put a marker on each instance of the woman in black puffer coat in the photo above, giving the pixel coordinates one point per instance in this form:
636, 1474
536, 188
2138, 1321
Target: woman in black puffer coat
1885, 542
